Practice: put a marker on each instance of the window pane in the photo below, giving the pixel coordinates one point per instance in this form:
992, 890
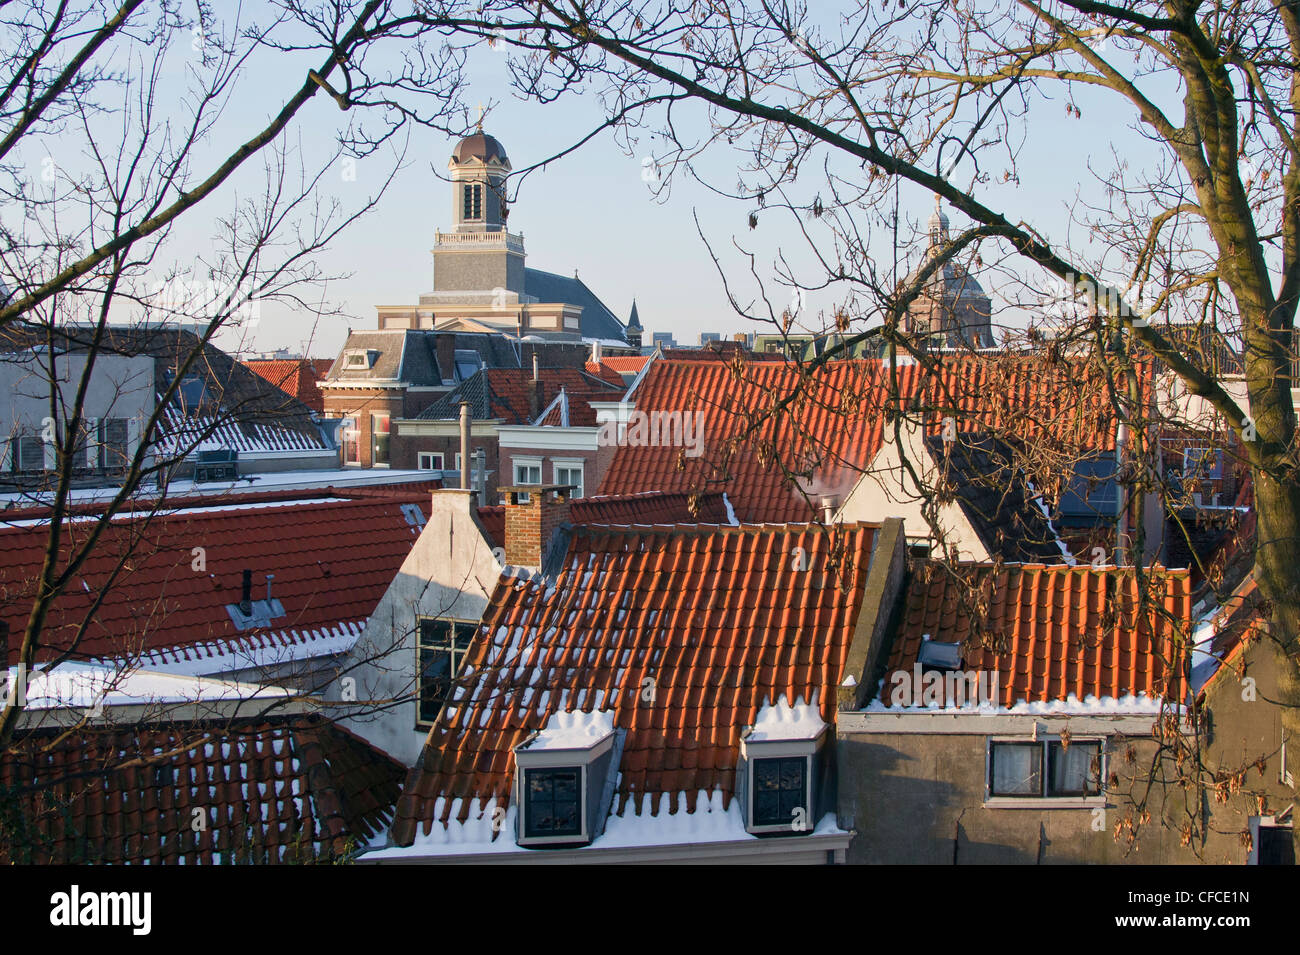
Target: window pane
553, 801
441, 650
780, 787
1017, 769
379, 432
1076, 770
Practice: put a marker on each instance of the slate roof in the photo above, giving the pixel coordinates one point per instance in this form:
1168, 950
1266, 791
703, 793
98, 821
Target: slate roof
502, 393
993, 494
649, 507
278, 790
717, 619
597, 320
252, 413
834, 425
1051, 632
333, 553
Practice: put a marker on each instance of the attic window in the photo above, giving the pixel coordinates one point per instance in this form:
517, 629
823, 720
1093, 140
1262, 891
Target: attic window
360, 358
564, 779
936, 655
442, 646
780, 755
1203, 464
468, 363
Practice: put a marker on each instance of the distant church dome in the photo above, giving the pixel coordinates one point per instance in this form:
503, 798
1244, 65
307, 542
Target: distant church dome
953, 305
479, 146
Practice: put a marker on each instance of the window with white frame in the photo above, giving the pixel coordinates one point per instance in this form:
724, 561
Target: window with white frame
570, 472
527, 471
1044, 769
351, 446
473, 202
379, 426
429, 461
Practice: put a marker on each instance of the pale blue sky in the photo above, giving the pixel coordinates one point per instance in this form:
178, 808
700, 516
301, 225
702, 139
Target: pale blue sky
592, 211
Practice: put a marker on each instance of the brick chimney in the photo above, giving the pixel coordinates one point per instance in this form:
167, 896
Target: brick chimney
530, 527
536, 393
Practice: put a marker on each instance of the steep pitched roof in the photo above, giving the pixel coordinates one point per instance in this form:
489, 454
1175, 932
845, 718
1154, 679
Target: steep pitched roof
1056, 635
621, 365
597, 320
502, 393
166, 580
404, 355
833, 424
278, 790
994, 495
720, 621
295, 377
649, 507
246, 411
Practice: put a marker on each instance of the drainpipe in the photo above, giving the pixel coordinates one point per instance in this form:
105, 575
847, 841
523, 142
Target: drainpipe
1121, 527
464, 445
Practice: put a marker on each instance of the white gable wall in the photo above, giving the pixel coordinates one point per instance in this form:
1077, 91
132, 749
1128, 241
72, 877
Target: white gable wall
450, 572
888, 489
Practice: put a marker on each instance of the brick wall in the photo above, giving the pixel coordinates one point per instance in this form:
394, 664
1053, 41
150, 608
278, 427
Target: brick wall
530, 527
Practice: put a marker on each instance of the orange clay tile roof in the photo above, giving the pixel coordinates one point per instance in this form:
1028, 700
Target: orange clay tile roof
295, 377
618, 364
503, 393
718, 620
1059, 631
287, 789
157, 600
776, 469
650, 507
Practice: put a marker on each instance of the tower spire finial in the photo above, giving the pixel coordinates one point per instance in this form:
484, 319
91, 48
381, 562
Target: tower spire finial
481, 111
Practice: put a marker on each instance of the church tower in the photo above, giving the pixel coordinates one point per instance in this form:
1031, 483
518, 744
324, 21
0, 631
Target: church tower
952, 310
479, 255
634, 329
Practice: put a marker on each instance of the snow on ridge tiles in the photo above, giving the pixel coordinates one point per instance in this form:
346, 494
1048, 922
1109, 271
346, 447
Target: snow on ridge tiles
573, 730
780, 720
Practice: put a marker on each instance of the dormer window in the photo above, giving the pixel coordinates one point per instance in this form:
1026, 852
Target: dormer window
360, 358
564, 777
779, 758
473, 209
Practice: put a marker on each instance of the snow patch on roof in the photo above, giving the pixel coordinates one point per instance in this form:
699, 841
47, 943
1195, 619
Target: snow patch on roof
574, 730
1126, 705
85, 685
780, 720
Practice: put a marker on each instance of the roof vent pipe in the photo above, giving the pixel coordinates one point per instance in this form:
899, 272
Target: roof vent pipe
830, 504
464, 445
246, 594
269, 578
536, 375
